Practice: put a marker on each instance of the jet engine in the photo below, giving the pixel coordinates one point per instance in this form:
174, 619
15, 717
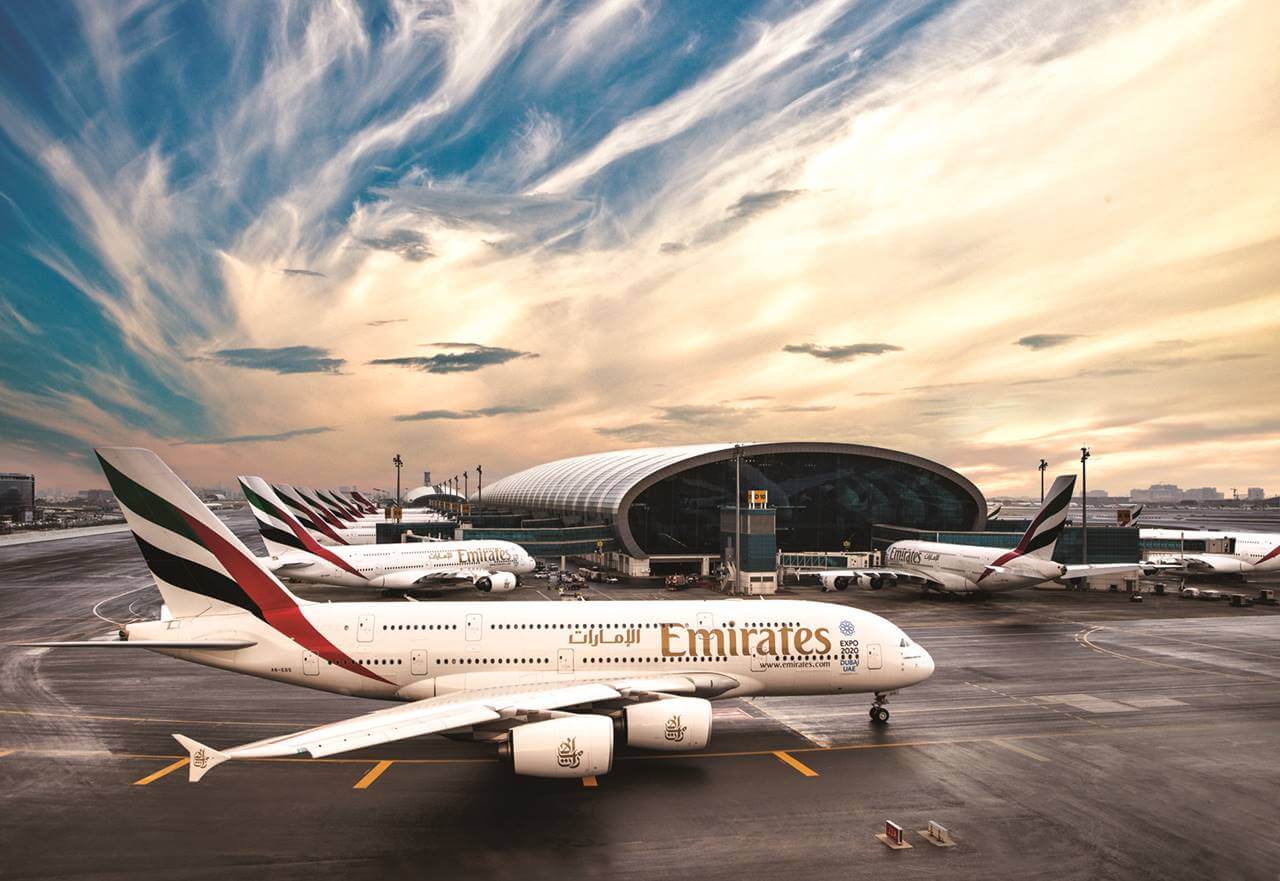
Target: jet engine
571, 746
496, 582
672, 724
837, 580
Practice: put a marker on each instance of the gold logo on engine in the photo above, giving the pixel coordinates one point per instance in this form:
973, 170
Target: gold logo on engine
568, 754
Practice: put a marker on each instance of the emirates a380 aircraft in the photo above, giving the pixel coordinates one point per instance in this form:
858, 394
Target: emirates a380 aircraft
549, 684
966, 569
489, 566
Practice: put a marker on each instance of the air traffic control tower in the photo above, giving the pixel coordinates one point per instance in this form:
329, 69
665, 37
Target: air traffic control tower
757, 535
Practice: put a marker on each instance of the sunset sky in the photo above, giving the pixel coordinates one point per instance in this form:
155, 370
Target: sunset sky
295, 239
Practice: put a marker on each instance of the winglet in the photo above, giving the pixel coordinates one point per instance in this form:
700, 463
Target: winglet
203, 758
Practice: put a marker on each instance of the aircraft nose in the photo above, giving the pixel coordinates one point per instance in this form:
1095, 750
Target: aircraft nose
924, 665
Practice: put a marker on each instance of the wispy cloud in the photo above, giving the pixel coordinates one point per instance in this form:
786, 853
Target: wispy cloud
840, 353
255, 438
1047, 340
381, 321
482, 413
409, 244
285, 359
468, 358
303, 272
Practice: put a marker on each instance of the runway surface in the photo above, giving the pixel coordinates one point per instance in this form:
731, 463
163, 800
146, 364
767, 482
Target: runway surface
1065, 735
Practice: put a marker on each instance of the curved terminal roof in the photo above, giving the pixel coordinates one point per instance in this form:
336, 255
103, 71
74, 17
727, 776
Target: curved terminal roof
423, 493
604, 484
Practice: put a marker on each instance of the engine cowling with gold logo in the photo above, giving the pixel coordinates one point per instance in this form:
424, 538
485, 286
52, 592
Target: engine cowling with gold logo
571, 746
672, 724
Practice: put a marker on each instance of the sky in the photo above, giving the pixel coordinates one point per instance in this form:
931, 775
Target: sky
294, 239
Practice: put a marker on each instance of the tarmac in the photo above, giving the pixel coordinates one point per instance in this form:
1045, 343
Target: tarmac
1064, 735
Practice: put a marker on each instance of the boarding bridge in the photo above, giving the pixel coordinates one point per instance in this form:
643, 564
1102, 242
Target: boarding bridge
794, 564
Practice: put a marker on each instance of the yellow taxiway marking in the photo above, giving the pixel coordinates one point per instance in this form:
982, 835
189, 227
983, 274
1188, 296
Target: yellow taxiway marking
788, 759
167, 769
374, 773
1017, 749
590, 782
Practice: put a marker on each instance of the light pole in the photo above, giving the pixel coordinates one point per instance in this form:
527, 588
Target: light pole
737, 518
1043, 466
466, 488
1084, 505
399, 463
479, 485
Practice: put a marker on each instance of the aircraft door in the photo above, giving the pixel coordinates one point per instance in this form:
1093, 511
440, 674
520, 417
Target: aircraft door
474, 628
564, 661
704, 620
874, 660
310, 664
418, 662
364, 628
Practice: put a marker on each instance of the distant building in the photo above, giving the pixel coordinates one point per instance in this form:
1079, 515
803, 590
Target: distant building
101, 497
1097, 494
1203, 494
1255, 493
18, 497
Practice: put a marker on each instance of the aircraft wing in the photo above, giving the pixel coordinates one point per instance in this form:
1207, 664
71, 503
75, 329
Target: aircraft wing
448, 712
223, 645
1091, 569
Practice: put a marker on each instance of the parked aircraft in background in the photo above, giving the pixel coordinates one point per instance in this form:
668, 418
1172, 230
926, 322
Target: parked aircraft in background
955, 568
547, 683
1245, 552
292, 552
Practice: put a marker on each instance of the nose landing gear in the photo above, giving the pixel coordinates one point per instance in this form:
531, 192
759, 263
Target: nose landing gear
879, 712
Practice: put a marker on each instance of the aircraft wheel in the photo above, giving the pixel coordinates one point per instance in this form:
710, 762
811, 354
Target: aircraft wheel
880, 715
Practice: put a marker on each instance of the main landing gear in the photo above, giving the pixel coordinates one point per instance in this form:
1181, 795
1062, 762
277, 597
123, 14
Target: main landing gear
879, 712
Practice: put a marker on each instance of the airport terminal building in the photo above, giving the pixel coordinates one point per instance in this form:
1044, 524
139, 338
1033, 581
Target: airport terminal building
659, 509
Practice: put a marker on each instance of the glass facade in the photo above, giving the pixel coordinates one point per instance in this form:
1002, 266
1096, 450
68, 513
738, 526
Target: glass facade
821, 499
17, 495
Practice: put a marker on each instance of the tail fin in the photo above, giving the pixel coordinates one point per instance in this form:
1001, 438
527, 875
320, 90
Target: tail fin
203, 758
369, 507
338, 506
352, 505
197, 562
1043, 533
345, 504
281, 532
1129, 516
316, 504
311, 520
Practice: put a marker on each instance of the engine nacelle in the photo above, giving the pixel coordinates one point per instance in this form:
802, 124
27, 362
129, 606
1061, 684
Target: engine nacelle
572, 746
672, 724
496, 582
837, 580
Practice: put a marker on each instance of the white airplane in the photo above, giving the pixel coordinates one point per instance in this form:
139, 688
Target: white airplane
489, 566
1252, 552
548, 684
962, 569
318, 524
351, 518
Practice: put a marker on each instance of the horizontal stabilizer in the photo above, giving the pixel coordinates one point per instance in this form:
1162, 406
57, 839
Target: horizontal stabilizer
203, 758
207, 645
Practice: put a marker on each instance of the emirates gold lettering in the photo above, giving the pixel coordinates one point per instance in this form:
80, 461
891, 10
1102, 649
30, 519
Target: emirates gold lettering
677, 641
